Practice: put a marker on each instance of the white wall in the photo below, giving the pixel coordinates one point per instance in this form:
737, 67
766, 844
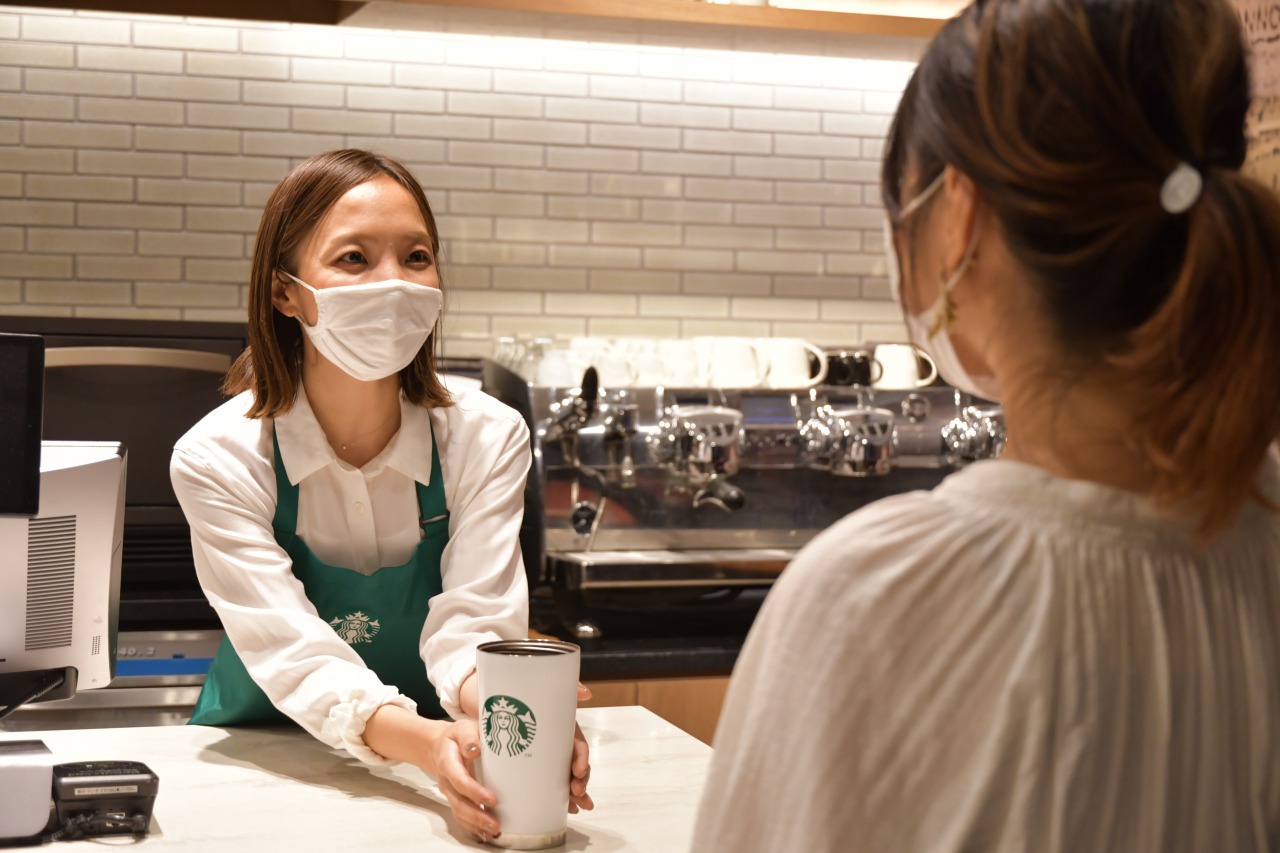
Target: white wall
588, 176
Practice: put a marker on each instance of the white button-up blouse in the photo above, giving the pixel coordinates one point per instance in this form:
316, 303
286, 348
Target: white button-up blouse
1011, 662
361, 519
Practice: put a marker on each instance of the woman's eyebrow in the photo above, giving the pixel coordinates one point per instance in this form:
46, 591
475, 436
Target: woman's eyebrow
365, 237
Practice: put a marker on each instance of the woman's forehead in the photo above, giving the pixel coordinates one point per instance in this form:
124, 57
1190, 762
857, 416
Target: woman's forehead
376, 206
382, 195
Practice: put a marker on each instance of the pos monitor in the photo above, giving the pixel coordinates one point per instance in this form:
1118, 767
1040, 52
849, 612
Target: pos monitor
61, 531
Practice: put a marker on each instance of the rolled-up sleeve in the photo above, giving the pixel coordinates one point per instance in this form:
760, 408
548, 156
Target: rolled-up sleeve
304, 668
485, 592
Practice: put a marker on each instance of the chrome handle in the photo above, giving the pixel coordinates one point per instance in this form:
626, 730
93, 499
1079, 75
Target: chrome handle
183, 359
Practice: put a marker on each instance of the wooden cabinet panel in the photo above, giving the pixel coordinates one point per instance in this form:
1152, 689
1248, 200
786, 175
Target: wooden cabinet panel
608, 694
692, 704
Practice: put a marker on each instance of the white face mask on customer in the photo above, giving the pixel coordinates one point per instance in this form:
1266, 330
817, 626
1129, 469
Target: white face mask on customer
937, 343
371, 331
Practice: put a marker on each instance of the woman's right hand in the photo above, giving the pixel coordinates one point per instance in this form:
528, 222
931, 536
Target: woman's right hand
456, 752
448, 751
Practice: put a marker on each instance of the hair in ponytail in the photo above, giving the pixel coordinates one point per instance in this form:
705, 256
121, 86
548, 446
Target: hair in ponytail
1205, 368
1069, 116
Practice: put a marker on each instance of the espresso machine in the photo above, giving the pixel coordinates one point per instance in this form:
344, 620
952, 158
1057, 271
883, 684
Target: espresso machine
688, 503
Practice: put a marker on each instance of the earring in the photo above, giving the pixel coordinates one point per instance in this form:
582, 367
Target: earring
945, 313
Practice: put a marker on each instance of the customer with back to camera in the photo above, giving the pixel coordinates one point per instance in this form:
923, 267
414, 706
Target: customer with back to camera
354, 523
1076, 647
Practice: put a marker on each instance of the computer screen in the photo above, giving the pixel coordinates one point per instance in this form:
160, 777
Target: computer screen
21, 413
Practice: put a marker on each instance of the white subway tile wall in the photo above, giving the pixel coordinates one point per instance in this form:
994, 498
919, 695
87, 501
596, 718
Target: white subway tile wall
589, 176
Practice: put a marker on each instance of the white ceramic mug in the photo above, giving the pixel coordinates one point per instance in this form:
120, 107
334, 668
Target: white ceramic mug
788, 362
560, 368
900, 367
590, 346
642, 356
528, 709
615, 366
728, 362
680, 363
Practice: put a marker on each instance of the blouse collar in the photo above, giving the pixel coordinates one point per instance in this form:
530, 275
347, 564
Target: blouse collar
304, 449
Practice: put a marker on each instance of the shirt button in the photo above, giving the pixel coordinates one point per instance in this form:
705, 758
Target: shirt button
359, 508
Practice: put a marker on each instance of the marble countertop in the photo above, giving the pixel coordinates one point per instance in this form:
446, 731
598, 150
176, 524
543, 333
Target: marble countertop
280, 789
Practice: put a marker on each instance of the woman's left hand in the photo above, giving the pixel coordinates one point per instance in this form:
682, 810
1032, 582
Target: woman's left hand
580, 766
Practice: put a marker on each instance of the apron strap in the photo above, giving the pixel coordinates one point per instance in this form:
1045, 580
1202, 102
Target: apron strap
433, 513
286, 517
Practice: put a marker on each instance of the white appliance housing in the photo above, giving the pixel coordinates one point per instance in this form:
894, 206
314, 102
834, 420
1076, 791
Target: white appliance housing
60, 570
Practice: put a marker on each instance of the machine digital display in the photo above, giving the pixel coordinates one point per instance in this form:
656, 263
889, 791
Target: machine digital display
21, 419
772, 409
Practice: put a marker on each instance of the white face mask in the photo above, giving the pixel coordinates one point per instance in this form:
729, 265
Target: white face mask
372, 331
938, 343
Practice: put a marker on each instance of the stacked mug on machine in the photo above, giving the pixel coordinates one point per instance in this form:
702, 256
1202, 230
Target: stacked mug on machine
714, 362
700, 362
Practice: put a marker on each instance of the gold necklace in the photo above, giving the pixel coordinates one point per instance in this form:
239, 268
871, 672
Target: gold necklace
365, 435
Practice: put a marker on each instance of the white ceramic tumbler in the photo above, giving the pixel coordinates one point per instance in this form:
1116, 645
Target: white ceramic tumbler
528, 709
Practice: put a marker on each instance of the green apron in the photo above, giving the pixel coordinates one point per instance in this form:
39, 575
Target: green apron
379, 615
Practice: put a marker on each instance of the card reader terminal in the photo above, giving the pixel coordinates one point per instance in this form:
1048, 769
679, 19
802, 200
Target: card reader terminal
104, 797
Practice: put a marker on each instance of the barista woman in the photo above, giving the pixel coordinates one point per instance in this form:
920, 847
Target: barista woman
1076, 647
355, 524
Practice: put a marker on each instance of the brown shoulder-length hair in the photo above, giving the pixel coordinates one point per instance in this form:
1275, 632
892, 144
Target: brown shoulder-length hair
1069, 116
271, 366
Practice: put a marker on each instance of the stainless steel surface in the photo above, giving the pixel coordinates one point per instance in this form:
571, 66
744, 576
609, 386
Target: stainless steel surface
108, 708
529, 646
619, 427
978, 433
208, 362
699, 445
846, 442
156, 699
611, 536
584, 630
690, 568
580, 497
677, 495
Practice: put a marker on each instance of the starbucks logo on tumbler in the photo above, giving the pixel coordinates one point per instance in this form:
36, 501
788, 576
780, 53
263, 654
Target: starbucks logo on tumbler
508, 725
355, 628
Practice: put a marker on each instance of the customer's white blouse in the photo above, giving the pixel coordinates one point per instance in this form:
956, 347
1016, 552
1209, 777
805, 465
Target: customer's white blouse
1012, 662
361, 519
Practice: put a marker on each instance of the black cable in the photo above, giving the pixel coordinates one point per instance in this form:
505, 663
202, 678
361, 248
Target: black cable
53, 684
86, 825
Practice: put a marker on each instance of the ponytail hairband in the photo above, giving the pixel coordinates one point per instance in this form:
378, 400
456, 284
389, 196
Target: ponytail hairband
1181, 189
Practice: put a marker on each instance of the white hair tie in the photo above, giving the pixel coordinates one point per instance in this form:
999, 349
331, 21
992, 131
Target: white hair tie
1181, 189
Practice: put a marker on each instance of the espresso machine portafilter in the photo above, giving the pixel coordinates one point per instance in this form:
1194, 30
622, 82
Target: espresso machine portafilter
699, 446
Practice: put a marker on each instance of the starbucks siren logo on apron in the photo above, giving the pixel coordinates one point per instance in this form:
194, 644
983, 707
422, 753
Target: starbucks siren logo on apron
508, 725
356, 627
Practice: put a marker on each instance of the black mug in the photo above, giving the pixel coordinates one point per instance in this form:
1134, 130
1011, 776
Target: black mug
852, 367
